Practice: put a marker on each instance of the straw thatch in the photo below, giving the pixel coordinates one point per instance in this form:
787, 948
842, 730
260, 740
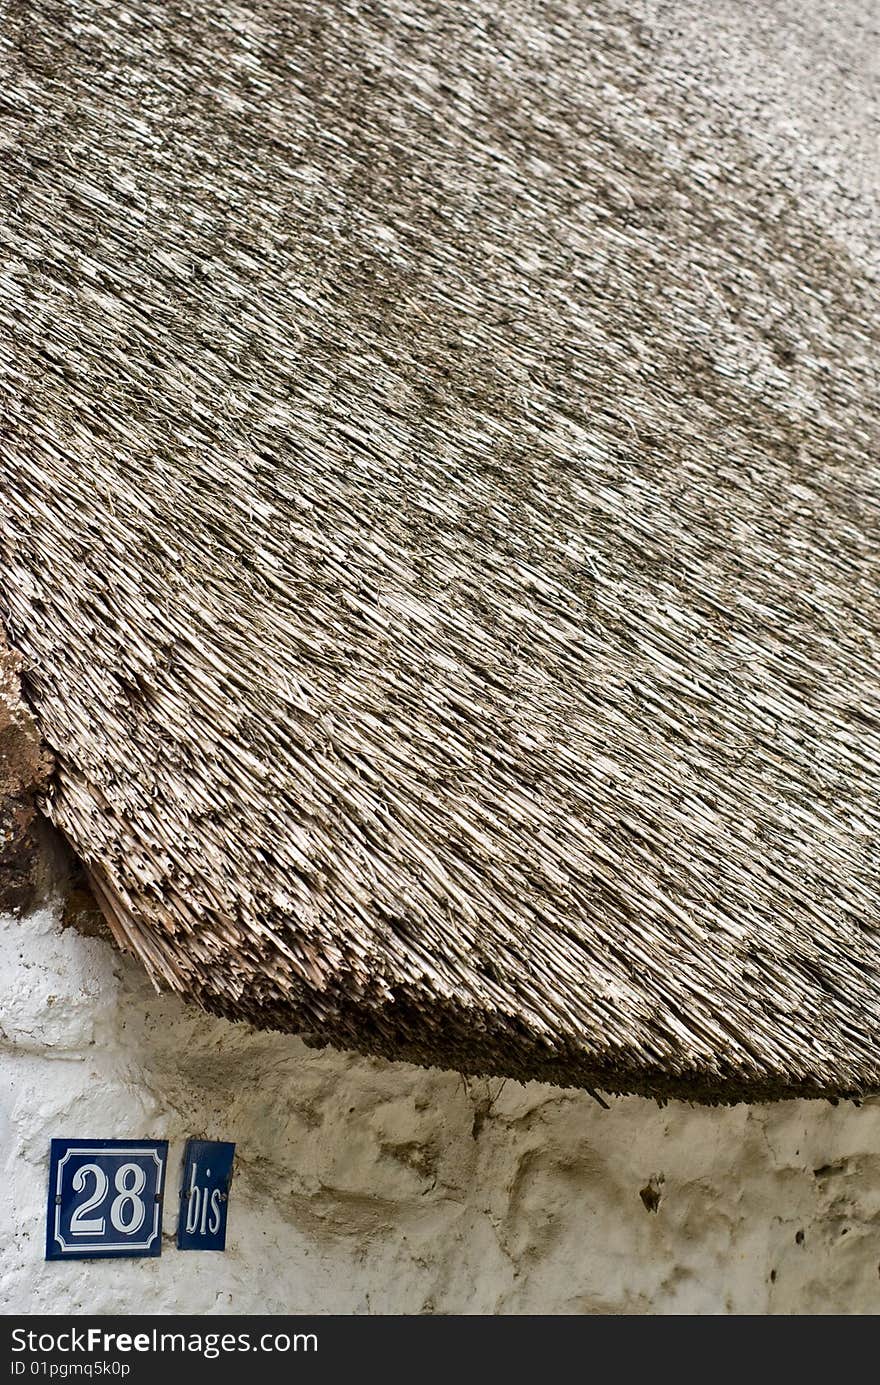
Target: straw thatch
440, 519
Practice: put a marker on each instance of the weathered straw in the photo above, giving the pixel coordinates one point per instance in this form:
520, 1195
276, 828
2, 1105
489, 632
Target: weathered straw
440, 522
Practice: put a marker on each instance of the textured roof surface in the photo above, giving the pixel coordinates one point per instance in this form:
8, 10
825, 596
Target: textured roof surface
439, 518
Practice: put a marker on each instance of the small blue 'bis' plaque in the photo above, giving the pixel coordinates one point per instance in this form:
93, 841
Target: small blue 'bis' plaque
105, 1198
204, 1195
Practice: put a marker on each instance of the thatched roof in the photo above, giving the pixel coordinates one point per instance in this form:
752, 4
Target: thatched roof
440, 519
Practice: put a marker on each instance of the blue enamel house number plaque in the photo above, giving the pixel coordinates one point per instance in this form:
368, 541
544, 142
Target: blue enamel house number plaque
105, 1198
204, 1195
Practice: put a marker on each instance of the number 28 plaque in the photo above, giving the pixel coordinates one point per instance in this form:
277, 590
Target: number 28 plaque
105, 1198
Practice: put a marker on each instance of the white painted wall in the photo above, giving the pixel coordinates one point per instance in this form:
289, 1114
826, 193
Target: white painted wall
365, 1187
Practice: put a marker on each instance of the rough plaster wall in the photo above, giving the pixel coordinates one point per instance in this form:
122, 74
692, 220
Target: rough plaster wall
366, 1187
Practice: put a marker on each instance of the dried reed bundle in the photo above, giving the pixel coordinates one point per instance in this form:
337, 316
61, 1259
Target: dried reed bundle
440, 519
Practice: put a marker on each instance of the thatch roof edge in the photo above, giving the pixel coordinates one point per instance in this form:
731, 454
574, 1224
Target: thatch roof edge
417, 1027
410, 1026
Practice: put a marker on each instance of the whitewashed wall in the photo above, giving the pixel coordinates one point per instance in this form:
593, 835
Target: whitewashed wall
366, 1187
